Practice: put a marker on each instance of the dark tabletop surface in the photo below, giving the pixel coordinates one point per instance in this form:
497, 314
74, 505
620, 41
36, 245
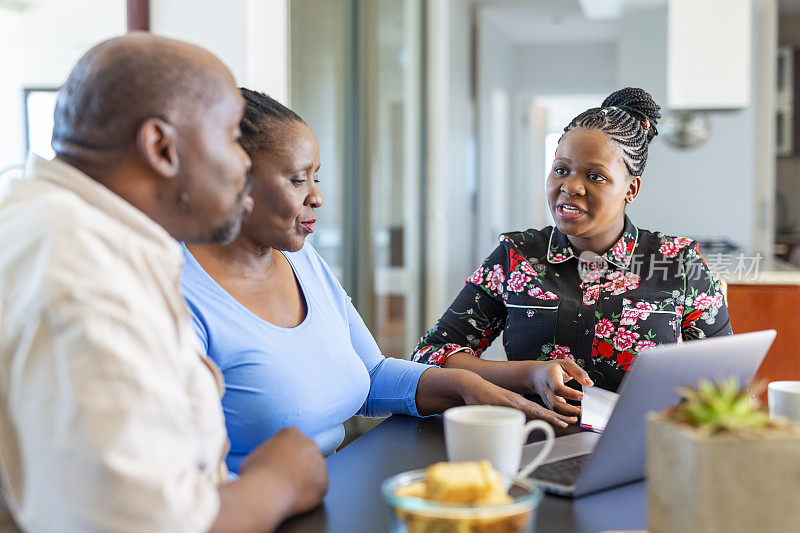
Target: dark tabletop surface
354, 503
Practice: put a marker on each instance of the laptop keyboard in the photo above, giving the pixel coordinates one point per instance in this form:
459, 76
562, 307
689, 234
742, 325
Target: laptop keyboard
563, 472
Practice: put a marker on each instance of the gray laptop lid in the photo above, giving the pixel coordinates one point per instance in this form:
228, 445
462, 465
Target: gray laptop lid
650, 386
618, 456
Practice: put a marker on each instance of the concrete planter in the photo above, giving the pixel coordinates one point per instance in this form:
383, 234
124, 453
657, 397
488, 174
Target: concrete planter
722, 483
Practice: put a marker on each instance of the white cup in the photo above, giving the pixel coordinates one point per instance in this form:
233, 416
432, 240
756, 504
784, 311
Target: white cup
784, 399
478, 432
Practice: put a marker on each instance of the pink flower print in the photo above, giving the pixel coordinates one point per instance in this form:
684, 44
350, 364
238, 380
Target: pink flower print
703, 301
604, 329
624, 339
631, 314
476, 277
528, 269
591, 275
669, 249
644, 344
719, 299
644, 309
558, 257
451, 348
517, 281
591, 294
536, 292
495, 279
619, 249
613, 276
420, 353
632, 281
561, 352
628, 317
615, 286
438, 357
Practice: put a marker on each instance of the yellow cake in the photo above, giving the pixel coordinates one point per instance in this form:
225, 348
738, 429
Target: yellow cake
474, 483
465, 483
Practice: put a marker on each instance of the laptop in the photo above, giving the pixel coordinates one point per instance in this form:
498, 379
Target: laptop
587, 462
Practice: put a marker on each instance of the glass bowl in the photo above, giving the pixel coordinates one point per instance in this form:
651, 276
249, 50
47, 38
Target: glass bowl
416, 515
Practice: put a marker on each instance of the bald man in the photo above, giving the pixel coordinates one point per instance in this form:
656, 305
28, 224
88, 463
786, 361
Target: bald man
110, 418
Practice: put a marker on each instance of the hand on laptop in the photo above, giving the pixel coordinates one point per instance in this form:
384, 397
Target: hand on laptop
442, 388
548, 379
482, 392
544, 378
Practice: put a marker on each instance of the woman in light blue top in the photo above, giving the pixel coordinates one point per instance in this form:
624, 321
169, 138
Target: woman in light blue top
291, 346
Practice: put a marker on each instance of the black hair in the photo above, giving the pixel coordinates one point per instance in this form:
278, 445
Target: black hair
628, 116
263, 115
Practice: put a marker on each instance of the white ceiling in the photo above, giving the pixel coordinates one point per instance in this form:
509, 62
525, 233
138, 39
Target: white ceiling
545, 21
554, 21
16, 5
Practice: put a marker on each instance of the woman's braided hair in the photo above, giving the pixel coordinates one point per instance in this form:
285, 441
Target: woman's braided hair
628, 116
262, 116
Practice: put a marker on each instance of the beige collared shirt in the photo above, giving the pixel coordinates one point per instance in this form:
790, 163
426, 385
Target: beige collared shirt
109, 420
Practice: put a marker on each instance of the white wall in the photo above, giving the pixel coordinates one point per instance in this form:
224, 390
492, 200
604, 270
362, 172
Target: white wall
548, 70
214, 25
564, 69
250, 36
494, 99
38, 48
721, 189
40, 45
451, 175
705, 192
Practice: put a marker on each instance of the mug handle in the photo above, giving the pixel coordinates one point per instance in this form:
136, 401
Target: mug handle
545, 451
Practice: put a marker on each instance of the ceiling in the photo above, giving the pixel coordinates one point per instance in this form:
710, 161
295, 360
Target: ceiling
559, 21
545, 21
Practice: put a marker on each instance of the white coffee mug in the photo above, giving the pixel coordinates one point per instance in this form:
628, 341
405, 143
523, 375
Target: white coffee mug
478, 432
784, 399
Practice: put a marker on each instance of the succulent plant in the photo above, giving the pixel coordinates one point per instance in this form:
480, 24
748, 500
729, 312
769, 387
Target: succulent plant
721, 407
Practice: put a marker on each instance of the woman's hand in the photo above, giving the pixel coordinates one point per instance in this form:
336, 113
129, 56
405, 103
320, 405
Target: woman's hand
545, 378
442, 388
548, 378
478, 391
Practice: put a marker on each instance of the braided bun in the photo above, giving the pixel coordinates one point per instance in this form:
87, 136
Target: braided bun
639, 104
629, 117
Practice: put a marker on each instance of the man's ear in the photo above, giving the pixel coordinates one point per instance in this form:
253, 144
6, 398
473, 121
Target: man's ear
633, 189
156, 141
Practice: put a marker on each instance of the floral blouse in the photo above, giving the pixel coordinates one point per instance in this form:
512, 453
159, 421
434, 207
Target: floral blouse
601, 311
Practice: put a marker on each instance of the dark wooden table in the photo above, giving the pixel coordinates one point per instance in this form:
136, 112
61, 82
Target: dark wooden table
354, 503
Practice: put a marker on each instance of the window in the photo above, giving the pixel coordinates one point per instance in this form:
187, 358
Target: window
39, 107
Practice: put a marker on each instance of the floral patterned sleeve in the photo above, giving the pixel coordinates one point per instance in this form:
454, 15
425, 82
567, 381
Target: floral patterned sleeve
474, 319
704, 312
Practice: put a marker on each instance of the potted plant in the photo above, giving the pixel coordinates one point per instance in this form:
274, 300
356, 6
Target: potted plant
717, 463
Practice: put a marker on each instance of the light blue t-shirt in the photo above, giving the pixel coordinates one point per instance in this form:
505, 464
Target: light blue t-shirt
313, 376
